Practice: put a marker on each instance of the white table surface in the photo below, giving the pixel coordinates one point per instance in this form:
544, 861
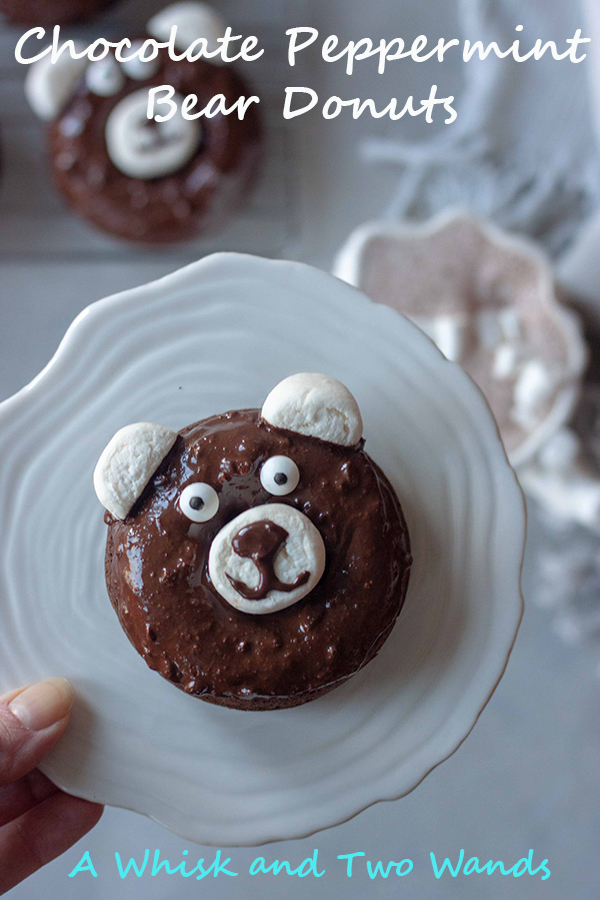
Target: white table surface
528, 775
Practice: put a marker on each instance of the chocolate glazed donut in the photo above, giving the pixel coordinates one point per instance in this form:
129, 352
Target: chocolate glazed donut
159, 565
158, 579
175, 207
161, 180
52, 12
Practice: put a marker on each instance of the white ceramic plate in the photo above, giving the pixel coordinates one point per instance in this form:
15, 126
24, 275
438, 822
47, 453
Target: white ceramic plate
214, 336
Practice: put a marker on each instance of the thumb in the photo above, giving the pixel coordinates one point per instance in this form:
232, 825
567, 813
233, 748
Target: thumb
32, 719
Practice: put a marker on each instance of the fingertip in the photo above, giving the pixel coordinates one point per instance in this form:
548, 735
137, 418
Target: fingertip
43, 704
32, 720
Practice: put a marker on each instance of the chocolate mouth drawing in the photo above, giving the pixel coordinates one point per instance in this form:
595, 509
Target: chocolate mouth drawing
266, 558
261, 542
148, 135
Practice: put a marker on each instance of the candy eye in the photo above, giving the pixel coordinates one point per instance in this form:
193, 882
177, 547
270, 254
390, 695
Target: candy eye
140, 69
280, 475
104, 77
199, 502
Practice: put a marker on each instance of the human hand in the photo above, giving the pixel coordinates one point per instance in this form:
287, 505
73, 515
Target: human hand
38, 821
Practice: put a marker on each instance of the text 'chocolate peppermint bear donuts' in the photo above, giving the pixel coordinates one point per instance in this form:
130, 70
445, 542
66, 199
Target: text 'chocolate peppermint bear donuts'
259, 558
142, 179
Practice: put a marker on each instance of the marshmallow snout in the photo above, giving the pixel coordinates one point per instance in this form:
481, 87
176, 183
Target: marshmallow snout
144, 148
266, 559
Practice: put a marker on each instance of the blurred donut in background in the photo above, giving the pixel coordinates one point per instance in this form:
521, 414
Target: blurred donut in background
150, 180
52, 12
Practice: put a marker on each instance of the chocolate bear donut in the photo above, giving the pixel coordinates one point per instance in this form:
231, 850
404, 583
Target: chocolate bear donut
259, 558
52, 12
141, 179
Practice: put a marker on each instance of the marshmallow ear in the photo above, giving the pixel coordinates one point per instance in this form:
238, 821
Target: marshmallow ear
127, 464
49, 86
316, 405
193, 20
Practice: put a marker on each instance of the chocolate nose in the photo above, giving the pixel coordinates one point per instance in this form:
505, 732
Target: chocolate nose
261, 542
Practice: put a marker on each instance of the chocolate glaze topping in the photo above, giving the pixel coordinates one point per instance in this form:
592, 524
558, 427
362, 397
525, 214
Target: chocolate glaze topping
158, 581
